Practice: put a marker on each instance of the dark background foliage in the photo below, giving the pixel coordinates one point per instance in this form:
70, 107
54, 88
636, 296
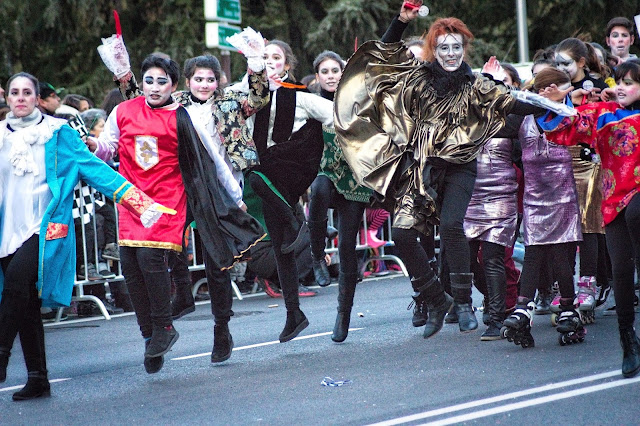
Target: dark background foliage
56, 39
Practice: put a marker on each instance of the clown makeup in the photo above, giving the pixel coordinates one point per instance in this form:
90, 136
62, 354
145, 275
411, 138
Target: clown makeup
567, 64
627, 91
157, 86
619, 41
450, 51
203, 83
275, 61
22, 97
329, 74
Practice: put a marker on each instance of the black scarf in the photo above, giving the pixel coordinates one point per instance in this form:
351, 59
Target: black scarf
227, 232
446, 82
327, 95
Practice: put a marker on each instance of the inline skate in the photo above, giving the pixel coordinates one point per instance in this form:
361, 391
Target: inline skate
517, 327
570, 323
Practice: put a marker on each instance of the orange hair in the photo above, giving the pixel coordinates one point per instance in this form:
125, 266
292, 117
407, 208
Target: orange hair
444, 26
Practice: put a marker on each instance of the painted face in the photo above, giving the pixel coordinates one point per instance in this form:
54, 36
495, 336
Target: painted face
329, 74
619, 41
22, 97
450, 51
275, 60
157, 86
567, 64
203, 83
627, 90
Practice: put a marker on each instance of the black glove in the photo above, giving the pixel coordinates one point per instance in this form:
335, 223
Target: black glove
587, 153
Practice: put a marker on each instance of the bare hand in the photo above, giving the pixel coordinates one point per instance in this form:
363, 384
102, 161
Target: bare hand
327, 259
583, 96
408, 14
243, 207
608, 94
493, 67
552, 92
91, 143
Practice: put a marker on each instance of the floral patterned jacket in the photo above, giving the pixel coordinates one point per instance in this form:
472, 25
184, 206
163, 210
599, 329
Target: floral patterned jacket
613, 131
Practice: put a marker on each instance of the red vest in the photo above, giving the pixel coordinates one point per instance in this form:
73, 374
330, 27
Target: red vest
148, 149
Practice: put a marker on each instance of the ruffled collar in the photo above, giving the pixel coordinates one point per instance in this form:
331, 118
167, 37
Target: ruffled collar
22, 133
21, 122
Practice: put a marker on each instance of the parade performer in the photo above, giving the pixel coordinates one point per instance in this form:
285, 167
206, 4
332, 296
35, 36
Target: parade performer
612, 129
335, 186
288, 136
41, 161
176, 160
414, 139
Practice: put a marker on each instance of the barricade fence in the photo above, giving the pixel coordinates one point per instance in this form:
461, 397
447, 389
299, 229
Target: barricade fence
97, 244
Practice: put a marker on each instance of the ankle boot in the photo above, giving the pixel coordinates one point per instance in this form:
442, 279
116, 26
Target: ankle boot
346, 290
296, 322
317, 234
4, 361
222, 343
321, 271
36, 387
419, 303
184, 303
630, 352
428, 289
461, 288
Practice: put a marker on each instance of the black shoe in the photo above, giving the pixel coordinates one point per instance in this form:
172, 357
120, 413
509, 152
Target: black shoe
296, 322
162, 339
492, 332
37, 386
436, 316
4, 361
630, 352
341, 328
321, 272
296, 242
331, 232
452, 317
152, 365
420, 312
183, 304
222, 343
466, 317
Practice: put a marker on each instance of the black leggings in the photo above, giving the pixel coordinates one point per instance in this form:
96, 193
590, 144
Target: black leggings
623, 242
349, 217
593, 257
561, 258
20, 305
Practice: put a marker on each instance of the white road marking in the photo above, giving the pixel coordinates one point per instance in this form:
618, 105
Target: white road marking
499, 398
257, 345
21, 386
536, 401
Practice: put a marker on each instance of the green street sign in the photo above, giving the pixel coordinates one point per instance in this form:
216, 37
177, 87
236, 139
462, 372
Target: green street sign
222, 10
216, 35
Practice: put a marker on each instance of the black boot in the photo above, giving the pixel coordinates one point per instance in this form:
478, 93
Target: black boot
4, 361
184, 303
152, 365
296, 322
222, 343
317, 234
419, 303
495, 302
37, 386
630, 352
162, 339
346, 290
428, 288
461, 288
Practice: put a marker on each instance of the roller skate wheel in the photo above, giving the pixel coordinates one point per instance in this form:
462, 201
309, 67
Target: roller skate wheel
562, 340
554, 319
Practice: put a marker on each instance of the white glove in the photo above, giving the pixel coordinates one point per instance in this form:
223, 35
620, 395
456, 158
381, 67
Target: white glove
542, 102
251, 44
114, 55
153, 213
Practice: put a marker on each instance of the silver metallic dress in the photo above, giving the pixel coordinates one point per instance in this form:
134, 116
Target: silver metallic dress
492, 214
551, 212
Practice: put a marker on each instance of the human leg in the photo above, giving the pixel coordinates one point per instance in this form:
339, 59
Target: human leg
183, 303
321, 191
493, 262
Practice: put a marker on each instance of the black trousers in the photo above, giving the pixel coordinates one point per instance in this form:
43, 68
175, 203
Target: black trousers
220, 291
349, 216
560, 256
146, 273
20, 305
623, 242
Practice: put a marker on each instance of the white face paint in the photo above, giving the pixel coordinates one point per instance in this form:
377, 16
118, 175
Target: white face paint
566, 64
450, 51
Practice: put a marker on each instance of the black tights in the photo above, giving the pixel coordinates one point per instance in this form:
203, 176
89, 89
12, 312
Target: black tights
20, 305
561, 258
623, 242
593, 257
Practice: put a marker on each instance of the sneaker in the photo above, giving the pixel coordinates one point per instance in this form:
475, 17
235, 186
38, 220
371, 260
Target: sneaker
89, 273
602, 293
543, 304
152, 365
105, 272
162, 339
111, 252
269, 288
304, 291
51, 315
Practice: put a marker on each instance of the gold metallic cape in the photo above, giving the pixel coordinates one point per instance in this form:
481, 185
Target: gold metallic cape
392, 126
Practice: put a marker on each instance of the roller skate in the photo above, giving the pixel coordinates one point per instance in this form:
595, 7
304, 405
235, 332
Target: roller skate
587, 299
569, 323
517, 328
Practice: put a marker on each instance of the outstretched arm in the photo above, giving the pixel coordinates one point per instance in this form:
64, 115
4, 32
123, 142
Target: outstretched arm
400, 23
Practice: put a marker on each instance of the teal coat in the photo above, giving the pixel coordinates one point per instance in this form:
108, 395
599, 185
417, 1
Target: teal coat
67, 161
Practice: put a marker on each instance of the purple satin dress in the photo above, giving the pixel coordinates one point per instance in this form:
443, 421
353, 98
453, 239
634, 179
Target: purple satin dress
492, 214
551, 212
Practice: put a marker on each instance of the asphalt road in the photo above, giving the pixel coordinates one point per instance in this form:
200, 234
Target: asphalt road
397, 377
